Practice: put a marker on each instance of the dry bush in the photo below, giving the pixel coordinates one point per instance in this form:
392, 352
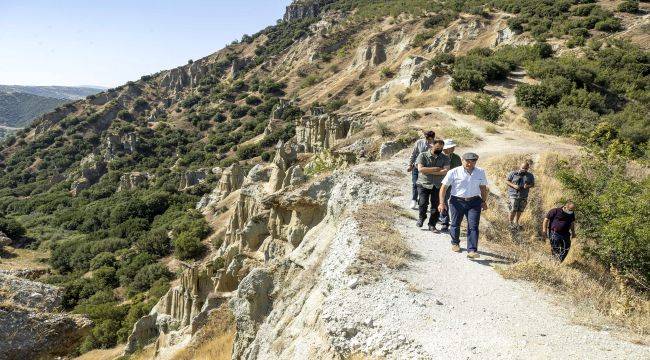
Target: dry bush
215, 340
462, 135
382, 244
601, 293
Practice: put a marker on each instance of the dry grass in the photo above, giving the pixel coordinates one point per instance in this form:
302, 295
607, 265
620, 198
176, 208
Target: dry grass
600, 294
491, 129
215, 340
462, 135
382, 245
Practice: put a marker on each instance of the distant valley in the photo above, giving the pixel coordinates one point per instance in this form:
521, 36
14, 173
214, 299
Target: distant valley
19, 105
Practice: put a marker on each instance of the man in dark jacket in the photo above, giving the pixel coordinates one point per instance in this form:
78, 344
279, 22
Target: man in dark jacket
420, 146
560, 225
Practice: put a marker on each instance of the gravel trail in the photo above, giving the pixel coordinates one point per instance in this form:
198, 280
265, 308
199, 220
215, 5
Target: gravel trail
445, 306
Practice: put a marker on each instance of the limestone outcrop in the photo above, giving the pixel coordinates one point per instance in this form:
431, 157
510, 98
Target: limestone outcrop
372, 53
301, 9
185, 76
390, 148
92, 168
412, 71
315, 133
193, 177
448, 40
30, 325
134, 180
115, 144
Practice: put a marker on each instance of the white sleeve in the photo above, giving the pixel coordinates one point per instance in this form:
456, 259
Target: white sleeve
483, 178
449, 178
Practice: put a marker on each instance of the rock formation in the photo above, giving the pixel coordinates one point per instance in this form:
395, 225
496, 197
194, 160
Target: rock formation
463, 29
372, 53
316, 133
412, 71
30, 327
185, 76
390, 148
92, 168
193, 177
304, 8
115, 144
133, 180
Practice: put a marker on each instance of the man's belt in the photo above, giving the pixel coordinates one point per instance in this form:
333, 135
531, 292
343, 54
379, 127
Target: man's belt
466, 198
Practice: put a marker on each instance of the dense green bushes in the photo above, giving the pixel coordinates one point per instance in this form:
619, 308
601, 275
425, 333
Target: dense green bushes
612, 211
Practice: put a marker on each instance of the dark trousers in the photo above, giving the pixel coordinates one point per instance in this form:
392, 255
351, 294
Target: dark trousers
459, 208
444, 216
560, 245
414, 180
426, 196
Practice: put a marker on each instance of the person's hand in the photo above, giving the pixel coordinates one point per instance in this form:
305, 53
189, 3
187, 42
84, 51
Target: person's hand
442, 207
484, 205
410, 168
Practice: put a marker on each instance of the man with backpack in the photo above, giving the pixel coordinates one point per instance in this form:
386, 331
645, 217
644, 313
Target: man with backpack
420, 146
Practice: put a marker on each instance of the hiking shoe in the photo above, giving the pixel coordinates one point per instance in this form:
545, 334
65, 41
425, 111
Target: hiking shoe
473, 255
419, 223
414, 205
444, 228
433, 229
455, 248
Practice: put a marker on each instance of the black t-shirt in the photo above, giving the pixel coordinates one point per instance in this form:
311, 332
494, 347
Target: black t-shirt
560, 221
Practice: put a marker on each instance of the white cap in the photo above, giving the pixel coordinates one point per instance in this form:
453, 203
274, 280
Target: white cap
449, 143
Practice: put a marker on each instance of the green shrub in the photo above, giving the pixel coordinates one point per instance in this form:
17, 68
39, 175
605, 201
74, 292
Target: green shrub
310, 80
487, 108
155, 242
387, 73
358, 91
240, 111
187, 246
609, 25
585, 99
249, 151
102, 259
562, 120
460, 104
11, 228
148, 275
383, 129
612, 211
627, 6
465, 80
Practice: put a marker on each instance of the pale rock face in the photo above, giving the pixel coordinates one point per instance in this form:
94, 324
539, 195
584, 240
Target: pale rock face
30, 323
449, 39
318, 133
92, 169
304, 9
412, 71
250, 306
134, 180
504, 36
185, 76
231, 179
4, 240
116, 144
193, 177
390, 148
372, 53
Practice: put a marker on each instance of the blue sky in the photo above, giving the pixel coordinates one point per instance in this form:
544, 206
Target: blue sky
110, 42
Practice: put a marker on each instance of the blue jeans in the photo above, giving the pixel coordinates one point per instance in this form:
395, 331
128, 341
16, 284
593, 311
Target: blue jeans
444, 216
414, 180
459, 208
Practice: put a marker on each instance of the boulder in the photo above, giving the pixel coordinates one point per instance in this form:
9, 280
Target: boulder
250, 306
390, 148
193, 177
92, 168
30, 294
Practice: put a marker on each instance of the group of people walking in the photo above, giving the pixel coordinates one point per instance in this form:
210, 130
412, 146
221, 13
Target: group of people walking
450, 188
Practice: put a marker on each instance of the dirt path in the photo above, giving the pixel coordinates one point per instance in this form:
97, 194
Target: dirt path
463, 309
453, 308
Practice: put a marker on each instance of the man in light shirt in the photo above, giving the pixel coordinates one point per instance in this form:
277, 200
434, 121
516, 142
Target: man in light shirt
468, 198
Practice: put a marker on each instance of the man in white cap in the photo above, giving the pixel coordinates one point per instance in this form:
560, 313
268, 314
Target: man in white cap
468, 198
448, 149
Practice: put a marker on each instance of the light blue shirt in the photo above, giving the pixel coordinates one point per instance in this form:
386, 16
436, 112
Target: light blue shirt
464, 184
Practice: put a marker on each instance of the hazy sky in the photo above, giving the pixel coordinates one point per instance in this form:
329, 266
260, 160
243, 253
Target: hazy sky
109, 42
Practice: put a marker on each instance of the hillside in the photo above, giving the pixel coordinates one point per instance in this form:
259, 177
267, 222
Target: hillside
19, 105
19, 109
253, 199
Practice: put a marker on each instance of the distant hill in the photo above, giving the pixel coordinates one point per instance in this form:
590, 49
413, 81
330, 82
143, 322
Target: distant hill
19, 105
57, 92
